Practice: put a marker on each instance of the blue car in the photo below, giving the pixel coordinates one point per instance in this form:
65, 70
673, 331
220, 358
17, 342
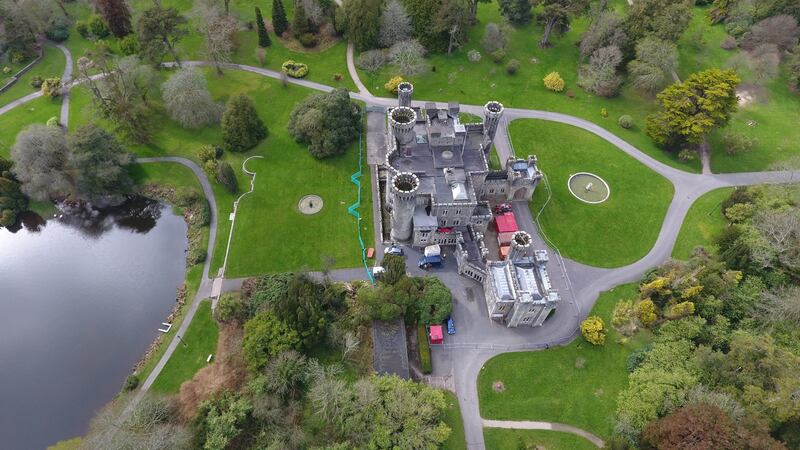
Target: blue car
451, 326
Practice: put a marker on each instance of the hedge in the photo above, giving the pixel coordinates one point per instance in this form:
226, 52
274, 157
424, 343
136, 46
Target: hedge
294, 69
424, 350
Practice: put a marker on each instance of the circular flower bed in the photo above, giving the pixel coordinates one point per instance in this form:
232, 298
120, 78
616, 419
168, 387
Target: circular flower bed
294, 69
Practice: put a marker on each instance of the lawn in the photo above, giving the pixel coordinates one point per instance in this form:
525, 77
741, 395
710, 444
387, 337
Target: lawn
452, 417
51, 65
455, 78
506, 439
549, 385
614, 233
12, 122
702, 224
199, 341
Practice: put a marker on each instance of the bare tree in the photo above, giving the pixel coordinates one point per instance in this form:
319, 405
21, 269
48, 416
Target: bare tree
782, 305
40, 159
314, 12
395, 23
219, 30
781, 229
605, 30
408, 56
187, 100
494, 38
782, 31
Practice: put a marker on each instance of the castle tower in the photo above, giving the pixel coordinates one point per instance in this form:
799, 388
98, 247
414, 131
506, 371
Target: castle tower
404, 91
402, 120
404, 188
492, 112
520, 244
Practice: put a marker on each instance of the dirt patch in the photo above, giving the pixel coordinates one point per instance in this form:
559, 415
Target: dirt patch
498, 386
751, 93
227, 372
599, 393
580, 363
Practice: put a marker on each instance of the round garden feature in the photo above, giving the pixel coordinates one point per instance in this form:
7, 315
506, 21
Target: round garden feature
588, 187
310, 204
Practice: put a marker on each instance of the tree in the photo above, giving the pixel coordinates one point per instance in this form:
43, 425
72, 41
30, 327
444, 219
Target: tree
40, 162
159, 30
435, 303
600, 75
147, 426
594, 330
494, 38
12, 200
423, 18
327, 123
781, 31
17, 36
242, 129
395, 266
793, 67
656, 61
51, 87
266, 336
395, 24
226, 177
219, 30
117, 15
517, 12
187, 100
556, 14
362, 22
220, 419
554, 82
662, 19
453, 19
409, 57
286, 375
304, 310
604, 31
689, 110
263, 35
279, 22
300, 23
99, 166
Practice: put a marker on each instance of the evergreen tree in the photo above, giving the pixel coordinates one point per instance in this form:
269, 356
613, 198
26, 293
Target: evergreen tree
117, 16
300, 24
279, 22
362, 22
242, 129
263, 36
159, 30
517, 12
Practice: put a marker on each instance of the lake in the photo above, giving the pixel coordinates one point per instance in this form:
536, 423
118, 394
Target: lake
81, 299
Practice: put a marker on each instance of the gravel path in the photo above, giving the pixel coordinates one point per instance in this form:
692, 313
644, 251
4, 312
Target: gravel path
528, 425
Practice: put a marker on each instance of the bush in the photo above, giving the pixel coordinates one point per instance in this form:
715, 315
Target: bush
98, 28
625, 121
729, 43
498, 56
209, 153
308, 40
570, 94
36, 81
230, 308
226, 177
392, 84
129, 45
58, 32
474, 56
424, 350
594, 330
604, 112
196, 256
51, 87
203, 212
554, 82
294, 69
261, 55
686, 155
185, 196
53, 122
131, 382
512, 67
6, 70
737, 142
82, 28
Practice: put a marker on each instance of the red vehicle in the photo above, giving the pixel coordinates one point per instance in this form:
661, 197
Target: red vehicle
502, 208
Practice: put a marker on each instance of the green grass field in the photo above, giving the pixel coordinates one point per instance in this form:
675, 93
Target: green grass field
51, 65
12, 122
614, 233
548, 385
452, 417
506, 439
702, 224
199, 341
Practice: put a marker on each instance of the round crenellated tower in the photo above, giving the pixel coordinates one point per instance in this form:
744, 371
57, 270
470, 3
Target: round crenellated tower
404, 189
492, 112
402, 120
404, 91
520, 244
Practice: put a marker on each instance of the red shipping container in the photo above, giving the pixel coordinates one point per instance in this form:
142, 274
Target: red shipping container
506, 223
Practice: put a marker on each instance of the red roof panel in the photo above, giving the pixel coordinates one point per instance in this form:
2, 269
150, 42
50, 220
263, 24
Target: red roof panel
506, 223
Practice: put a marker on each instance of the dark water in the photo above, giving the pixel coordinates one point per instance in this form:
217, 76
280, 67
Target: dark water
81, 299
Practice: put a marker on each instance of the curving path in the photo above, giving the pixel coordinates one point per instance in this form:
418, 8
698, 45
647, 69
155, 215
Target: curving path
466, 360
529, 425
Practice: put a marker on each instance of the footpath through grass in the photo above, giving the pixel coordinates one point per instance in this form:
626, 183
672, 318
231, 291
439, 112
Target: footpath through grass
614, 233
199, 341
703, 223
51, 65
507, 439
575, 385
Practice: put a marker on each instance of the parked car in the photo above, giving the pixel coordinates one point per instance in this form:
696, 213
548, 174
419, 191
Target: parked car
393, 250
502, 208
429, 262
451, 326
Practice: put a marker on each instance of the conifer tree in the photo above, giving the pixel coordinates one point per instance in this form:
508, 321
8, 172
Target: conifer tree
300, 21
242, 129
117, 16
279, 22
263, 36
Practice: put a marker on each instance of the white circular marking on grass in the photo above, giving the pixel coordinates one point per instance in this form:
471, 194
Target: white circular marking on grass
310, 204
588, 188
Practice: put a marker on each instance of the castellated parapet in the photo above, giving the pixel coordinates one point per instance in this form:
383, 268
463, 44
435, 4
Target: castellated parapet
492, 112
404, 91
402, 120
404, 189
520, 245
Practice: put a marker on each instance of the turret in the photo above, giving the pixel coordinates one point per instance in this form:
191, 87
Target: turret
402, 120
492, 112
520, 244
404, 91
404, 188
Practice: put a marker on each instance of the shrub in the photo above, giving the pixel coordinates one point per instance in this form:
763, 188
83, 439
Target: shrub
294, 69
372, 60
308, 40
512, 67
261, 55
473, 56
594, 330
498, 55
185, 196
196, 256
570, 94
604, 112
554, 82
392, 84
129, 45
226, 177
51, 87
737, 142
203, 212
82, 28
209, 153
131, 382
729, 43
36, 81
98, 28
231, 308
686, 155
7, 70
646, 312
625, 121
424, 350
58, 32
53, 122
337, 77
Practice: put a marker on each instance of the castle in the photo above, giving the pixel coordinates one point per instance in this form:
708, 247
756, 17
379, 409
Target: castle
438, 189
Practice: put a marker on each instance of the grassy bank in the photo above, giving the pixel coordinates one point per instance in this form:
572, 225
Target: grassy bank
702, 224
457, 440
505, 439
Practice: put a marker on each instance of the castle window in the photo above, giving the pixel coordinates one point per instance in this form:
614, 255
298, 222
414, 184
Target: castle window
491, 191
456, 222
